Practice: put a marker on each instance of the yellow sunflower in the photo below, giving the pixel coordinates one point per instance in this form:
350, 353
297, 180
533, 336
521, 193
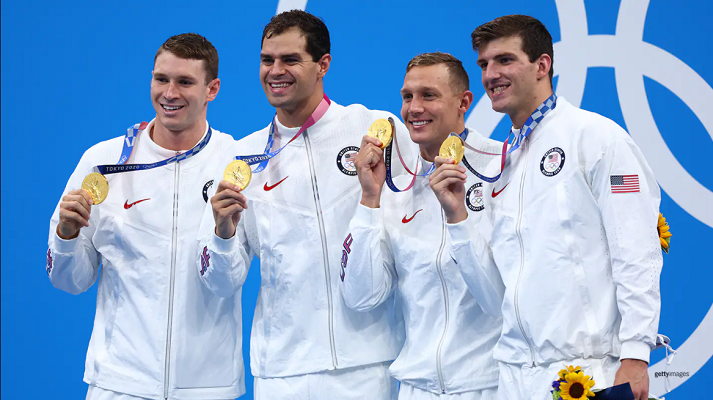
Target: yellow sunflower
664, 234
576, 387
567, 370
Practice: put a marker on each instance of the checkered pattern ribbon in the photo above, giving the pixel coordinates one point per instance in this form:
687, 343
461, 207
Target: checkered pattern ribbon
534, 120
129, 141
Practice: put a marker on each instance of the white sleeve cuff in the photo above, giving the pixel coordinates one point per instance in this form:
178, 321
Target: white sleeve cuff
223, 246
461, 232
64, 246
636, 350
366, 216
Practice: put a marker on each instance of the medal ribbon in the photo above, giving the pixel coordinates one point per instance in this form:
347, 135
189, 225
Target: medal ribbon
130, 139
387, 161
264, 158
537, 116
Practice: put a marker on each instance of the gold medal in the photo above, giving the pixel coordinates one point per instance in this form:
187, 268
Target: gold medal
97, 186
382, 130
238, 173
453, 148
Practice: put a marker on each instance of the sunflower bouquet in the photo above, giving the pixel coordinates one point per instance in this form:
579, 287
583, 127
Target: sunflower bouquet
664, 234
572, 384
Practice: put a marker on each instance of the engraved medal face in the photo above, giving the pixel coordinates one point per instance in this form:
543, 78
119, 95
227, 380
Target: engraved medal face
238, 173
453, 148
97, 186
382, 130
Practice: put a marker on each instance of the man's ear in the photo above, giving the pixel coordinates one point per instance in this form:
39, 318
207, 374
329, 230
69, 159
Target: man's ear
323, 63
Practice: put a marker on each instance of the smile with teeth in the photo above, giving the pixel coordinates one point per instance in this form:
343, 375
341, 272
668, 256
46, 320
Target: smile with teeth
499, 89
171, 108
280, 85
420, 123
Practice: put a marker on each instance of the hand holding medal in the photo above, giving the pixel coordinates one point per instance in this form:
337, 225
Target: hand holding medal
74, 213
369, 162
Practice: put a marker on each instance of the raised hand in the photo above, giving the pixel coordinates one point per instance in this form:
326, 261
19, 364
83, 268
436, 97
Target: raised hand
74, 212
371, 171
448, 183
228, 204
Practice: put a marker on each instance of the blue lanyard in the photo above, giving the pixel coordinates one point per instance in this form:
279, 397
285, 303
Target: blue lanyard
129, 141
264, 158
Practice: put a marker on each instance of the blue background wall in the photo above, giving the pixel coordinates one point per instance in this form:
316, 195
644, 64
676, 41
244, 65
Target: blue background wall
75, 73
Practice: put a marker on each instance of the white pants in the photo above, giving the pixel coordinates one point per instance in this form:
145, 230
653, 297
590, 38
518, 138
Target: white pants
524, 382
97, 393
358, 383
409, 392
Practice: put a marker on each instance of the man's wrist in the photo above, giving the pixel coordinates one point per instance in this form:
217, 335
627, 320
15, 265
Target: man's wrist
66, 237
224, 237
370, 201
456, 216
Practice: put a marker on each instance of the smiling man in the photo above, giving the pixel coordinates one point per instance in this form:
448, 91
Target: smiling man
158, 334
574, 221
306, 343
399, 248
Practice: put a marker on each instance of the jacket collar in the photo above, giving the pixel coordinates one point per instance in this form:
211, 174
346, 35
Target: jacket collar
153, 151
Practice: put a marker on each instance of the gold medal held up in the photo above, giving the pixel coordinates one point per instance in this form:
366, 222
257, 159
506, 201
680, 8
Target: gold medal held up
453, 148
383, 130
238, 173
97, 186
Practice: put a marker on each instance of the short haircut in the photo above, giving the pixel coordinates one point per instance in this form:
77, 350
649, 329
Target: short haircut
192, 46
458, 77
313, 28
536, 39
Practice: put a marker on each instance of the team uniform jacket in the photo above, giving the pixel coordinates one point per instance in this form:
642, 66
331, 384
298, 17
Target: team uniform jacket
574, 236
158, 332
297, 217
403, 249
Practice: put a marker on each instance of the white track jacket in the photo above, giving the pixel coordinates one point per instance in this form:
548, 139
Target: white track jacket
402, 248
158, 332
574, 236
298, 215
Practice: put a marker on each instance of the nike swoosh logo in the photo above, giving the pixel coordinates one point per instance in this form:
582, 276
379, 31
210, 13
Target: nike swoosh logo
495, 194
127, 205
405, 220
268, 188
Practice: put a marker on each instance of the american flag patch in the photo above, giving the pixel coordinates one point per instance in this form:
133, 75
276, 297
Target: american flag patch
624, 183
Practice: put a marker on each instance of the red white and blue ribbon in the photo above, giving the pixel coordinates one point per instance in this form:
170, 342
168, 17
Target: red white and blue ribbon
264, 158
130, 139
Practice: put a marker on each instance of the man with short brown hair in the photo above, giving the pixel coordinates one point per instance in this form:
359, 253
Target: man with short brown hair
574, 219
158, 334
399, 247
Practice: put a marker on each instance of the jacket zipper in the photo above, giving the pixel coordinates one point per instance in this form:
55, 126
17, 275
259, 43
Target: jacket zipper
518, 226
174, 239
445, 301
325, 256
